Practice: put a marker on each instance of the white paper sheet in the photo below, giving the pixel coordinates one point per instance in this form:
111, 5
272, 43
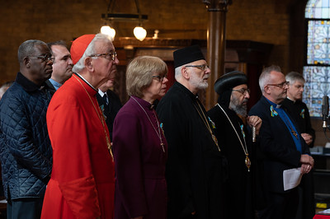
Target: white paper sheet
3, 201
291, 178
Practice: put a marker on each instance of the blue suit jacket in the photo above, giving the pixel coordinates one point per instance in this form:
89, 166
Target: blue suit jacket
276, 144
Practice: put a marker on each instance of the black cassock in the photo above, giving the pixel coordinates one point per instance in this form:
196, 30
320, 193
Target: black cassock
195, 167
238, 187
300, 114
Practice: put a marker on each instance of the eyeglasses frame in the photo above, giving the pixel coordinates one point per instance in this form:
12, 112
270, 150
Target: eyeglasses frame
44, 58
112, 55
243, 91
281, 85
160, 78
201, 67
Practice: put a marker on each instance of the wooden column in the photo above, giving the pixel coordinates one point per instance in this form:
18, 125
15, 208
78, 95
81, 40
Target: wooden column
216, 45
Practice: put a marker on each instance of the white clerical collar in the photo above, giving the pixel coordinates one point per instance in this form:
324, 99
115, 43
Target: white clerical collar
101, 92
290, 99
79, 75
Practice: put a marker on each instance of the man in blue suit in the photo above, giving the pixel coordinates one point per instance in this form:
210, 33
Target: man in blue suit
281, 145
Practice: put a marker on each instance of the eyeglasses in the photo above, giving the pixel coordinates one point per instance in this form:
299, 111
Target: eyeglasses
159, 78
299, 86
109, 55
44, 58
201, 67
281, 85
243, 91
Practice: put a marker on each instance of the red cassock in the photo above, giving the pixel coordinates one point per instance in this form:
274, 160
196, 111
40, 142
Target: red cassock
82, 179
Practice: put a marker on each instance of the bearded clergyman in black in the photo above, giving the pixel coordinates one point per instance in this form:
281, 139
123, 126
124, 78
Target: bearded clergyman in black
231, 121
195, 168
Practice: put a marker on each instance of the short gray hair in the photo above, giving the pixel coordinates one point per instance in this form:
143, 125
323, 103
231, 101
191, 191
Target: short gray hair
28, 48
90, 50
293, 76
264, 77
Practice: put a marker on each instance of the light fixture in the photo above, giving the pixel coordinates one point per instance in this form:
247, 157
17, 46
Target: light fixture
140, 33
155, 34
106, 29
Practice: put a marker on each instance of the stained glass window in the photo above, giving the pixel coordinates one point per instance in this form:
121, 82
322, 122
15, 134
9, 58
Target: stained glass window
317, 85
318, 47
317, 9
317, 71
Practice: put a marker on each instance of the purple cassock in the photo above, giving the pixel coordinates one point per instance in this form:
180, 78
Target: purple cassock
140, 153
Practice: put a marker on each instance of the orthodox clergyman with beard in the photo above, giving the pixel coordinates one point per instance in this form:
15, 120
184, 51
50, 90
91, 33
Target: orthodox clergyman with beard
195, 165
231, 121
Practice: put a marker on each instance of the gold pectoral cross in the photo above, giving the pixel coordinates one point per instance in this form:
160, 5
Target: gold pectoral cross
247, 162
294, 133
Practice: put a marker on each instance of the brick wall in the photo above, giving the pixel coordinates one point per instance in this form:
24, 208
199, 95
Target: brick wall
265, 21
258, 20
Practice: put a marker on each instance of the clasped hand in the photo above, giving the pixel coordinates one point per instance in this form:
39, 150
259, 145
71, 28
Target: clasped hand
307, 163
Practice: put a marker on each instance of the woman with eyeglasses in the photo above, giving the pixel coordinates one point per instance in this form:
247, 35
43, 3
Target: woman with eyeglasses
139, 145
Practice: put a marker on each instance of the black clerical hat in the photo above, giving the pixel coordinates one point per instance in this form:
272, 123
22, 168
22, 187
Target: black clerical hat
187, 55
229, 81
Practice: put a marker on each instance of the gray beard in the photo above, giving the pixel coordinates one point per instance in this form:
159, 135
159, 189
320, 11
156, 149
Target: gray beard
240, 110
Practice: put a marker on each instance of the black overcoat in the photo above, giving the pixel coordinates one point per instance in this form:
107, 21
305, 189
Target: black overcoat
194, 171
238, 187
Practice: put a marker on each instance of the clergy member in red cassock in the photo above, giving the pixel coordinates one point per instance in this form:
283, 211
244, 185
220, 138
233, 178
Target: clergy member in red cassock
82, 179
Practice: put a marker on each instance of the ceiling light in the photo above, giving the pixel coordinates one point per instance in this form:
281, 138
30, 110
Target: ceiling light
106, 29
140, 33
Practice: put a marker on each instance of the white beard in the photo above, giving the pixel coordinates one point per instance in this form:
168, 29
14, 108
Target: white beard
197, 82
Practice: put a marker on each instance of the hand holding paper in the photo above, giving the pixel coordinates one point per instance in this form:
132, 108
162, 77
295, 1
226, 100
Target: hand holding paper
291, 178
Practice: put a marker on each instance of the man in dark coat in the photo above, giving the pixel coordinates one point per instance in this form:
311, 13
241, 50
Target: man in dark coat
300, 114
26, 153
109, 103
231, 121
281, 144
194, 171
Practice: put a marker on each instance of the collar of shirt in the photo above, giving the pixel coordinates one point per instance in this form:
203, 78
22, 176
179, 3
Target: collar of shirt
28, 85
186, 91
82, 78
101, 92
55, 84
290, 99
143, 103
273, 104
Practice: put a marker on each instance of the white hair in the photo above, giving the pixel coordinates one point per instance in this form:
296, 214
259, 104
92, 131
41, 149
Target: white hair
178, 74
90, 50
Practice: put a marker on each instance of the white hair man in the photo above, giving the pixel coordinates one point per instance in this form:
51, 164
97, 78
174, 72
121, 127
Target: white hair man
281, 144
195, 162
83, 170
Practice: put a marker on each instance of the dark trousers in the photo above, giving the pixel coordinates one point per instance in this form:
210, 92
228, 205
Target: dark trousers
306, 209
24, 208
280, 205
